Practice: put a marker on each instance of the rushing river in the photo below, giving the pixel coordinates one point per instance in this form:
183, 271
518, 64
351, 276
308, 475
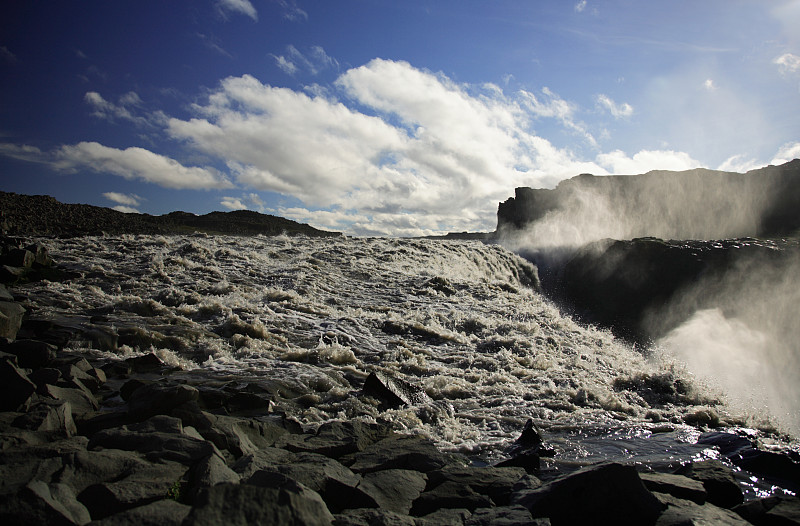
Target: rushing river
309, 318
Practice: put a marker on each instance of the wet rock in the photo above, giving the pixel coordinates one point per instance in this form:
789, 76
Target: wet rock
44, 376
766, 464
676, 485
10, 319
393, 489
42, 503
32, 354
401, 452
149, 483
771, 510
495, 482
158, 399
19, 257
602, 493
49, 416
372, 517
145, 363
394, 390
717, 479
680, 512
159, 513
242, 504
503, 516
15, 387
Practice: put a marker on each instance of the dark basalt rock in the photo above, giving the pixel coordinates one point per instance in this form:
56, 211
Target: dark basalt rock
718, 480
606, 493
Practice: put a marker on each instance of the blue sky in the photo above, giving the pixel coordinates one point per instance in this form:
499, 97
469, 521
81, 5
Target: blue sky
384, 117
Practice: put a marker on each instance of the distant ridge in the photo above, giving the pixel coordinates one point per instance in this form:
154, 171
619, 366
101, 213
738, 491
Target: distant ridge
42, 215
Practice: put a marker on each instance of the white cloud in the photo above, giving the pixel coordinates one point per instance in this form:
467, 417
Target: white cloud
619, 163
553, 106
788, 63
739, 163
709, 85
126, 209
243, 7
314, 61
123, 199
104, 109
291, 11
580, 6
788, 152
137, 163
616, 110
233, 203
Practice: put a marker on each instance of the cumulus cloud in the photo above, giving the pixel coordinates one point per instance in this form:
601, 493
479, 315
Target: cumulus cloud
243, 7
233, 203
136, 164
617, 162
616, 110
123, 199
788, 63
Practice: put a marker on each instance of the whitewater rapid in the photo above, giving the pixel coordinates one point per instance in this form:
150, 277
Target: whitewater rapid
308, 319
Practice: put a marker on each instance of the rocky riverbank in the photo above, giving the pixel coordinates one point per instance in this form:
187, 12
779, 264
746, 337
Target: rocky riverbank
88, 438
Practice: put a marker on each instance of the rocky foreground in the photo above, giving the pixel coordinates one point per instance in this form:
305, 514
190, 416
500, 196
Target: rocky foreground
85, 439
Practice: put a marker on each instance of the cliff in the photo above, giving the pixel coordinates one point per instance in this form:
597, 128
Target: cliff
42, 215
693, 204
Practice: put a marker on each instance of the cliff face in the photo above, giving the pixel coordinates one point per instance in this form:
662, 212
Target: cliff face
694, 204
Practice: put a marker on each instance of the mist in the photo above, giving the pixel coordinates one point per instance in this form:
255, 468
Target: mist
741, 335
732, 318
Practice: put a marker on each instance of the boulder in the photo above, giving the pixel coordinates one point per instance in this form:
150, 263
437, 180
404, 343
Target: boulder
149, 483
165, 512
264, 458
159, 399
42, 503
81, 400
495, 482
393, 489
396, 391
211, 471
156, 445
242, 504
19, 257
680, 512
15, 387
81, 469
503, 516
55, 416
242, 436
145, 363
717, 479
372, 517
450, 495
32, 354
337, 438
607, 493
10, 319
444, 517
335, 483
401, 452
676, 485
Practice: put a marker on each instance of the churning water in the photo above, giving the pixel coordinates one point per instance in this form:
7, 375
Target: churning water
308, 319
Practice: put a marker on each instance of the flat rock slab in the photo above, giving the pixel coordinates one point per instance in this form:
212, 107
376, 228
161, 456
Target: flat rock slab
42, 503
503, 516
496, 482
675, 485
718, 481
681, 512
373, 517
